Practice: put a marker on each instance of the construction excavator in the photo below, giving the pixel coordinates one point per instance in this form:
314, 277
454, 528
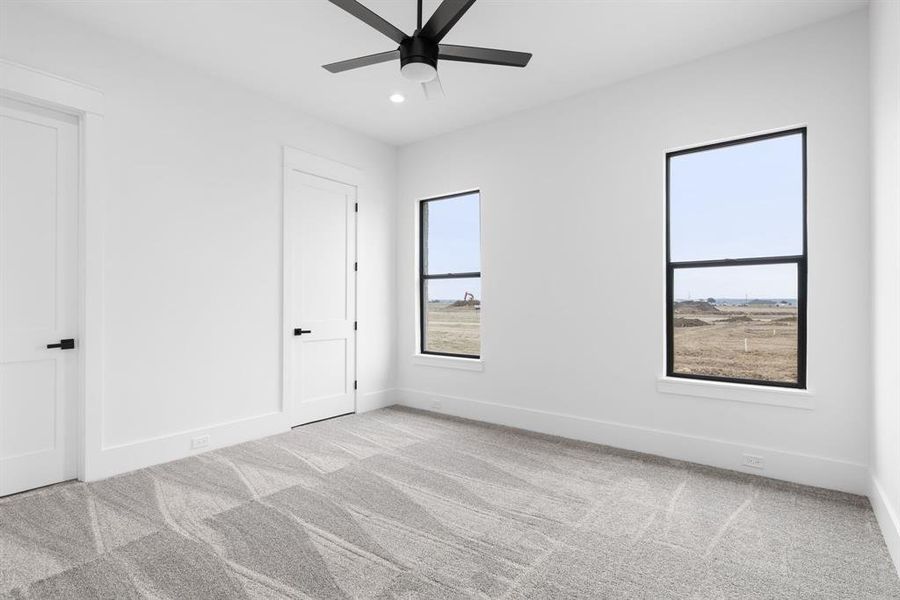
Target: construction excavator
469, 300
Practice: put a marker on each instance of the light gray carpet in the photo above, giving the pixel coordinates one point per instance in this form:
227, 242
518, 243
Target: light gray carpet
404, 504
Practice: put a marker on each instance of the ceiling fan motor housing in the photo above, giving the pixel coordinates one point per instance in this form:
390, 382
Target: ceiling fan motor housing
418, 50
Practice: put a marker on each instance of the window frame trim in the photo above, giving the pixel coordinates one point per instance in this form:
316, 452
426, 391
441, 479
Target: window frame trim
423, 276
800, 260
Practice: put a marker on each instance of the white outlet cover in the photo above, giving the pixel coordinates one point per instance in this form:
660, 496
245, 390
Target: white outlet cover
200, 441
754, 461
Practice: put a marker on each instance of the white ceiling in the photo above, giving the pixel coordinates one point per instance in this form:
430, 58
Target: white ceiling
277, 47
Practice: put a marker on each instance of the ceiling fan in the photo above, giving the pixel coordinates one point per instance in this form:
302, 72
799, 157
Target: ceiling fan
419, 53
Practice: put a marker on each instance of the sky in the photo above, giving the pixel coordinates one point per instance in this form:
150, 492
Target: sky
739, 201
453, 241
778, 282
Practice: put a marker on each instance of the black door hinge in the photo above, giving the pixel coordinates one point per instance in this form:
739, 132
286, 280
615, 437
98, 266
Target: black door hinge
356, 207
355, 325
354, 385
356, 266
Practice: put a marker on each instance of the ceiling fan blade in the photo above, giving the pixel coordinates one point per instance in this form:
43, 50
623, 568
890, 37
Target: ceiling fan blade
444, 18
362, 61
487, 56
433, 89
371, 19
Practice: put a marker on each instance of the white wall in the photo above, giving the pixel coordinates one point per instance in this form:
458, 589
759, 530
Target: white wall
573, 258
885, 73
193, 243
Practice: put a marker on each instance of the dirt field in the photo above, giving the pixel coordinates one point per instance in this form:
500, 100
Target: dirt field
717, 347
708, 340
453, 329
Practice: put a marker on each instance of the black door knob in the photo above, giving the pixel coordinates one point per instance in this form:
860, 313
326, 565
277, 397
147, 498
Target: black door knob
67, 344
302, 331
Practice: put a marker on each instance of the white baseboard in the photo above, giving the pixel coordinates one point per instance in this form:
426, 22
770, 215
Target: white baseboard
799, 468
114, 460
887, 519
375, 400
788, 466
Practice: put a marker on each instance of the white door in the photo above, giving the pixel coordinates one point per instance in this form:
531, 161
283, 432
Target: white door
320, 297
38, 296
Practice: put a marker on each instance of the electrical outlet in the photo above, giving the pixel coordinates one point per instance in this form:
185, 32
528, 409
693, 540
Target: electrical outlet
754, 462
201, 441
435, 404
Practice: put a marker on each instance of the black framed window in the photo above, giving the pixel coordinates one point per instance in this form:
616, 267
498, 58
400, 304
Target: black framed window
450, 275
736, 261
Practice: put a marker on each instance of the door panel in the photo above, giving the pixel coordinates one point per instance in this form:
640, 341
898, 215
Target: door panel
28, 390
320, 296
326, 362
38, 295
321, 255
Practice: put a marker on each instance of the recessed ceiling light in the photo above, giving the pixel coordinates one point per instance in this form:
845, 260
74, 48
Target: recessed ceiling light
397, 98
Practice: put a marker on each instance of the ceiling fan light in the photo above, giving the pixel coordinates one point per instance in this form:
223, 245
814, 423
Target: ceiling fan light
420, 72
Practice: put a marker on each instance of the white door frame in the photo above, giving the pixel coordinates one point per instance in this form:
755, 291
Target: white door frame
318, 166
32, 86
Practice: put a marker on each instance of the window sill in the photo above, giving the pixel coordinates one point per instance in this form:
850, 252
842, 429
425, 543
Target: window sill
449, 362
737, 392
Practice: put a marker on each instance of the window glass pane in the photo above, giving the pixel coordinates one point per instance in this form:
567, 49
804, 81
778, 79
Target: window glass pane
451, 235
739, 201
736, 322
453, 316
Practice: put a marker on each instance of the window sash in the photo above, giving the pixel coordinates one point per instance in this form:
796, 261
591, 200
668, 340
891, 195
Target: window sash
472, 275
423, 303
423, 234
801, 265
